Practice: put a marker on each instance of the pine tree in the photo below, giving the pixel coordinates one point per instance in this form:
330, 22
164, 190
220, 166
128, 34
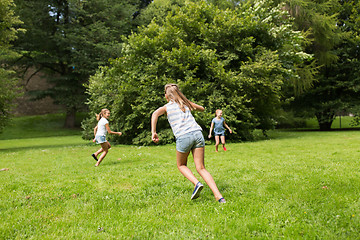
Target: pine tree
333, 40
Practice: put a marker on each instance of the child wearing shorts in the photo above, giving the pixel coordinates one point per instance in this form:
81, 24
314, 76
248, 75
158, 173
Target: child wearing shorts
218, 124
189, 138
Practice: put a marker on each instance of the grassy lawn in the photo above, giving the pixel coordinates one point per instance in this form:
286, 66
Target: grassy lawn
297, 185
39, 126
338, 123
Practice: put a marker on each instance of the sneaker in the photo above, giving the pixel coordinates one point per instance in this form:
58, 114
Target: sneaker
197, 191
93, 155
222, 200
225, 149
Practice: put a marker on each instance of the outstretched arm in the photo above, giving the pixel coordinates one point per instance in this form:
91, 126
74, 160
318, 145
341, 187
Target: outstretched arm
211, 128
95, 130
154, 118
111, 132
227, 127
197, 107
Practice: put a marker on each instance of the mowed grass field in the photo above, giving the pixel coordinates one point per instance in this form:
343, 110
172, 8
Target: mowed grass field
295, 185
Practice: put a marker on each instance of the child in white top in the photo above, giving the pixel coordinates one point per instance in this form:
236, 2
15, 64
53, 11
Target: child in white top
100, 135
218, 124
188, 138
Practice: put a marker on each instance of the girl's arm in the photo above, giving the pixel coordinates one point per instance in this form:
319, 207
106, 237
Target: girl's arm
211, 128
227, 126
154, 118
111, 132
197, 107
95, 130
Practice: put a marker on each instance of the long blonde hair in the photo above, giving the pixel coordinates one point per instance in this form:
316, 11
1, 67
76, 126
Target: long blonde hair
173, 93
102, 112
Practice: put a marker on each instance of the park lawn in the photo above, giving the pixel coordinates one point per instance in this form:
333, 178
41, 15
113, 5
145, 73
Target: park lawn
39, 126
343, 122
294, 185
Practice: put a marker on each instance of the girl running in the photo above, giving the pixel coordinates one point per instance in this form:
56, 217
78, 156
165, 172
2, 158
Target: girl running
100, 135
188, 136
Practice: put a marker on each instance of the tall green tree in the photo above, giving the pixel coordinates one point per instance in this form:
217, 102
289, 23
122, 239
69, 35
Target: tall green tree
68, 40
346, 70
158, 10
334, 42
9, 23
236, 60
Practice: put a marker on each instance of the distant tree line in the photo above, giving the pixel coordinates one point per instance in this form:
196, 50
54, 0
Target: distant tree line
257, 60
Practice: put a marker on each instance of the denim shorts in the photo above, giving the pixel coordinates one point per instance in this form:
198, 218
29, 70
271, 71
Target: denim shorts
100, 139
220, 134
189, 141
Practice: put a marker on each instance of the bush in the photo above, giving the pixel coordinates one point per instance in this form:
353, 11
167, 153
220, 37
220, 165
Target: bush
227, 59
288, 120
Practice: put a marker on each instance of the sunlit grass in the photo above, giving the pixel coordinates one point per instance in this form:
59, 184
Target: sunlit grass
294, 185
343, 122
40, 126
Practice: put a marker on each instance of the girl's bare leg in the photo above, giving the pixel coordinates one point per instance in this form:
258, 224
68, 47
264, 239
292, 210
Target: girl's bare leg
217, 142
105, 149
181, 160
223, 141
198, 154
98, 152
101, 149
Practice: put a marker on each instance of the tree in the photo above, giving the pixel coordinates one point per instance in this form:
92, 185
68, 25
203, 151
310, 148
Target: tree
68, 40
158, 10
8, 31
236, 60
345, 73
224, 4
334, 42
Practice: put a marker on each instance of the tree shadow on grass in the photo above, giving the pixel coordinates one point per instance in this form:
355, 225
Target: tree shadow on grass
43, 146
279, 134
35, 134
330, 130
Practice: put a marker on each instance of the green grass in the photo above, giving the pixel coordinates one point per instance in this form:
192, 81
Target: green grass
297, 185
39, 126
343, 122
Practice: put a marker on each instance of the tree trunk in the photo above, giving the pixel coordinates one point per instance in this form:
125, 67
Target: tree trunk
325, 119
70, 118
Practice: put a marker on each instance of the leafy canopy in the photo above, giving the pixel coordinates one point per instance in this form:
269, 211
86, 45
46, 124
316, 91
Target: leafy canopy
333, 32
69, 40
9, 23
236, 60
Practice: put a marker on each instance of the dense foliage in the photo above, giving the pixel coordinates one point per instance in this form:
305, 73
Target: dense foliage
69, 40
333, 31
237, 60
8, 30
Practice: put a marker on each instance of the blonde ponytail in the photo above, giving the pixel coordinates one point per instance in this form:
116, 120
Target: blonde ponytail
100, 115
173, 92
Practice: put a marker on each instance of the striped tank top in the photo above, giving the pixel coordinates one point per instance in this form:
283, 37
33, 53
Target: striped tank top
180, 122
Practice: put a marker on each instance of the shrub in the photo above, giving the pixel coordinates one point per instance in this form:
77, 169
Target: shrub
228, 59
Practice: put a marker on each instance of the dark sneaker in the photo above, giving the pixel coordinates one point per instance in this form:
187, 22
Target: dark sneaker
222, 200
93, 155
197, 191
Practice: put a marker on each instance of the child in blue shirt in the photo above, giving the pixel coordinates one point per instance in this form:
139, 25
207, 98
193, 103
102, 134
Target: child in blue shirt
218, 124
